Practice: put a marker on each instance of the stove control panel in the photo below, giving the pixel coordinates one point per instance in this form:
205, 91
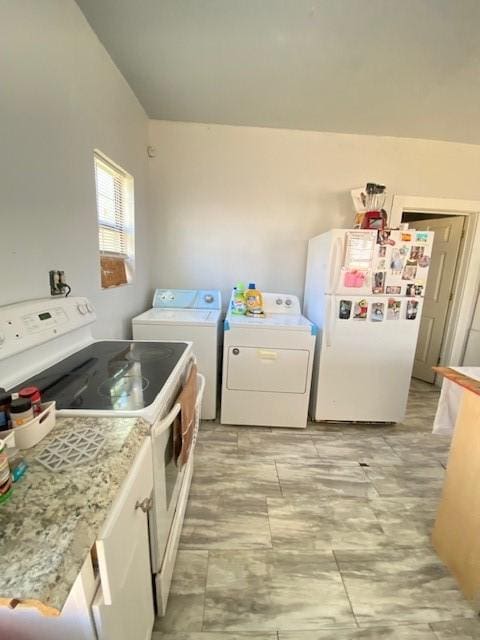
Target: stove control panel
42, 320
26, 325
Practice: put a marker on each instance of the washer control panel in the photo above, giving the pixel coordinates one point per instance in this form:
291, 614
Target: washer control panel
187, 299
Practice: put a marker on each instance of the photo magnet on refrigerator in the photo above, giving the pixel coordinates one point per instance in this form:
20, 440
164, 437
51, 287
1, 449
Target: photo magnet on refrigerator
345, 309
412, 309
416, 253
378, 312
409, 272
421, 236
397, 261
379, 282
414, 289
384, 237
393, 309
394, 290
360, 310
424, 261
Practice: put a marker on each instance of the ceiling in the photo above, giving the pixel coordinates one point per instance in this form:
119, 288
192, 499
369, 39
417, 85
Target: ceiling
407, 68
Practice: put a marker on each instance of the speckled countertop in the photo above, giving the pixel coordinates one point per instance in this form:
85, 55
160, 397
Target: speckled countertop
52, 519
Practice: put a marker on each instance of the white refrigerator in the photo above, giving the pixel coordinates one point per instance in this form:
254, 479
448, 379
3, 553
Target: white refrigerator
364, 290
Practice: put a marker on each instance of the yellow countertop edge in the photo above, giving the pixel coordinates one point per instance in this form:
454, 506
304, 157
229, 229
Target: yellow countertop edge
459, 378
44, 609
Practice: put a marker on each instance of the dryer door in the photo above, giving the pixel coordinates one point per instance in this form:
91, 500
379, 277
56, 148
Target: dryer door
267, 369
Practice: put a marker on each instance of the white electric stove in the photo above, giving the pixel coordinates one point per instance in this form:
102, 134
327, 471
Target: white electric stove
48, 343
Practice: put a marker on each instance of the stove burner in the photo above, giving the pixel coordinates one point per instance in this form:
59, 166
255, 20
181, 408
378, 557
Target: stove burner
121, 387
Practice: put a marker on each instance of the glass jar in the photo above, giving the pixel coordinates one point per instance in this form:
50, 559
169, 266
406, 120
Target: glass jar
21, 411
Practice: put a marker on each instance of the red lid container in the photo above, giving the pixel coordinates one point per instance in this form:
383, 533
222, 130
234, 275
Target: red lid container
33, 394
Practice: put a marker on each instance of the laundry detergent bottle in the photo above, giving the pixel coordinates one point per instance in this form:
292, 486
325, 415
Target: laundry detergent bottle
254, 301
238, 306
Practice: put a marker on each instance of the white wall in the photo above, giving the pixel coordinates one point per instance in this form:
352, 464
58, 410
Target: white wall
61, 97
235, 203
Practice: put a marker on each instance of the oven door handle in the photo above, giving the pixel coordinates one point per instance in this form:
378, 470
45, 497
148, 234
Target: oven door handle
163, 424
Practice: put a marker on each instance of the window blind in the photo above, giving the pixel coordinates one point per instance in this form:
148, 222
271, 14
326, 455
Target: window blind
112, 208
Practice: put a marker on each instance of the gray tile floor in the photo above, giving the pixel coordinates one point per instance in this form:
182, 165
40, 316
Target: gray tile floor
322, 534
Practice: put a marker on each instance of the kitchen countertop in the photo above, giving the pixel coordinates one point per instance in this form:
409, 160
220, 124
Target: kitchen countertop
52, 519
460, 378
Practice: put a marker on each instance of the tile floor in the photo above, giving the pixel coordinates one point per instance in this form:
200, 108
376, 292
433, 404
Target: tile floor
320, 534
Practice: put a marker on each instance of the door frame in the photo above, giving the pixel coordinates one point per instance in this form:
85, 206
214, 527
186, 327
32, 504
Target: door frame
468, 269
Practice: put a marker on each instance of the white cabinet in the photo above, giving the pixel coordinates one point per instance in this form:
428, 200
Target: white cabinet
123, 605
115, 603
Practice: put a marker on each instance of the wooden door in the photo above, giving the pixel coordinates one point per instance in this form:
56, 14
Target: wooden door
438, 292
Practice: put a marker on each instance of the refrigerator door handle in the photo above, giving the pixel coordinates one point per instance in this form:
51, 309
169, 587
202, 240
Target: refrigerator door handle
330, 316
334, 267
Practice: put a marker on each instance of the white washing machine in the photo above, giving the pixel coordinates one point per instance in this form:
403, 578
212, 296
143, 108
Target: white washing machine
267, 365
193, 315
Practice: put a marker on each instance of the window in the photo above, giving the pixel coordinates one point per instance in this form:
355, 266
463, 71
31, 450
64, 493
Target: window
115, 212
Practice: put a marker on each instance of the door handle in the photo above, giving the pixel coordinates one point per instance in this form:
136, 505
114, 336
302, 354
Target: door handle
265, 354
145, 505
330, 320
334, 266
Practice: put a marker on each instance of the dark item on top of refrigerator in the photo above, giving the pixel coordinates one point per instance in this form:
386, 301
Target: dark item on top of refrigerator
393, 309
412, 309
379, 282
360, 310
375, 215
345, 309
378, 312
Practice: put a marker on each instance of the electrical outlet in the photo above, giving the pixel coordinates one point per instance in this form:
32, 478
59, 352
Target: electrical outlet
57, 282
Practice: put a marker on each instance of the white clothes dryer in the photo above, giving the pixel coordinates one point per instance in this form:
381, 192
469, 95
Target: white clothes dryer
267, 365
193, 315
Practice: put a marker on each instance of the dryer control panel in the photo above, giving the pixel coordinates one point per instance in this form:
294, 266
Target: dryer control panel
187, 299
281, 303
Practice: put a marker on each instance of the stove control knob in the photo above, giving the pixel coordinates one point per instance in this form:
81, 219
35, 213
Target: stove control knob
2, 338
82, 309
208, 298
89, 308
288, 302
279, 301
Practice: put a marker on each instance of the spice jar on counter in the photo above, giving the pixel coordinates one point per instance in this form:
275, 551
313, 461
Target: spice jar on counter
21, 411
5, 401
33, 394
5, 477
